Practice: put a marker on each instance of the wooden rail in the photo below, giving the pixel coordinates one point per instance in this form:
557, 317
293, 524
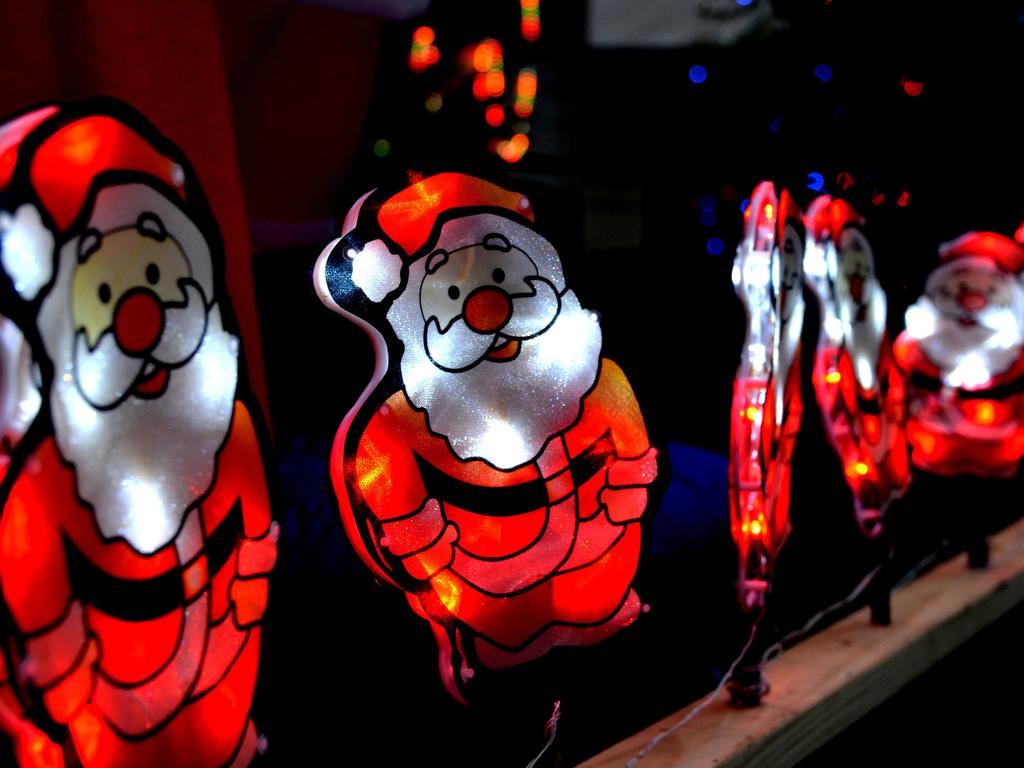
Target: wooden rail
826, 683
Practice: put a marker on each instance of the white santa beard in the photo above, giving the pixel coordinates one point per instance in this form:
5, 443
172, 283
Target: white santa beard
504, 412
967, 355
142, 464
863, 338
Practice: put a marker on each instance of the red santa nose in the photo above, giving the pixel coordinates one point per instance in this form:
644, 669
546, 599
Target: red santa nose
138, 322
487, 310
857, 288
972, 301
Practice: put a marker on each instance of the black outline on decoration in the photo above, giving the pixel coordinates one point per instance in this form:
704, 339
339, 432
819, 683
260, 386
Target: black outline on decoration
771, 438
386, 383
431, 268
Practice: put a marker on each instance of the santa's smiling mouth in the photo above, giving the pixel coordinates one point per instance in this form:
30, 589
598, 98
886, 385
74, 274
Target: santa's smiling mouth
503, 350
153, 381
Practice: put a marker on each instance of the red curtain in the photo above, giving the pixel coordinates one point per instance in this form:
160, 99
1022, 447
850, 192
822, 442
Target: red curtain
266, 91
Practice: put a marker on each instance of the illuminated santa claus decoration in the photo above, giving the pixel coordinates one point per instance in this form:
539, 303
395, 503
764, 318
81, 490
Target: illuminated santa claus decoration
962, 353
859, 390
767, 274
496, 468
136, 537
768, 277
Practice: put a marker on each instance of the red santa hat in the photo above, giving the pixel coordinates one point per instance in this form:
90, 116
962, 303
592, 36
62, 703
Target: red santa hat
818, 219
62, 172
1005, 253
827, 218
12, 133
410, 217
789, 211
843, 215
67, 163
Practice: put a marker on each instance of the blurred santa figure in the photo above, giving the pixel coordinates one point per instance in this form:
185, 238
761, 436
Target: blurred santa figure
962, 356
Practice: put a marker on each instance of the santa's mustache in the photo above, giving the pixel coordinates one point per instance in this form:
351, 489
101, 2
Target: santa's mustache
459, 347
105, 374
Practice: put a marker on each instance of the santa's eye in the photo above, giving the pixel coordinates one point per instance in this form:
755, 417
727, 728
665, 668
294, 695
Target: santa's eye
152, 274
453, 292
498, 275
104, 293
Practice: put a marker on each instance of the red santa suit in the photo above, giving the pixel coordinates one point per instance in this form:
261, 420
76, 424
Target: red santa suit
150, 659
527, 559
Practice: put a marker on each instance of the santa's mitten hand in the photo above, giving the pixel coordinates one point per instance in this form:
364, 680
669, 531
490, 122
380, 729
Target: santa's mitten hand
624, 505
414, 536
249, 597
256, 557
641, 470
625, 495
439, 555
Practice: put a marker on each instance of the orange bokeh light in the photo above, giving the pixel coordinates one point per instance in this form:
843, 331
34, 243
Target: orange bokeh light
526, 92
984, 412
423, 54
495, 115
480, 87
487, 55
529, 23
423, 36
512, 151
494, 81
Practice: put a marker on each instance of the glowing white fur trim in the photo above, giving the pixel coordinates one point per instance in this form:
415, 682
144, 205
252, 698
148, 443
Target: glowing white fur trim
27, 250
